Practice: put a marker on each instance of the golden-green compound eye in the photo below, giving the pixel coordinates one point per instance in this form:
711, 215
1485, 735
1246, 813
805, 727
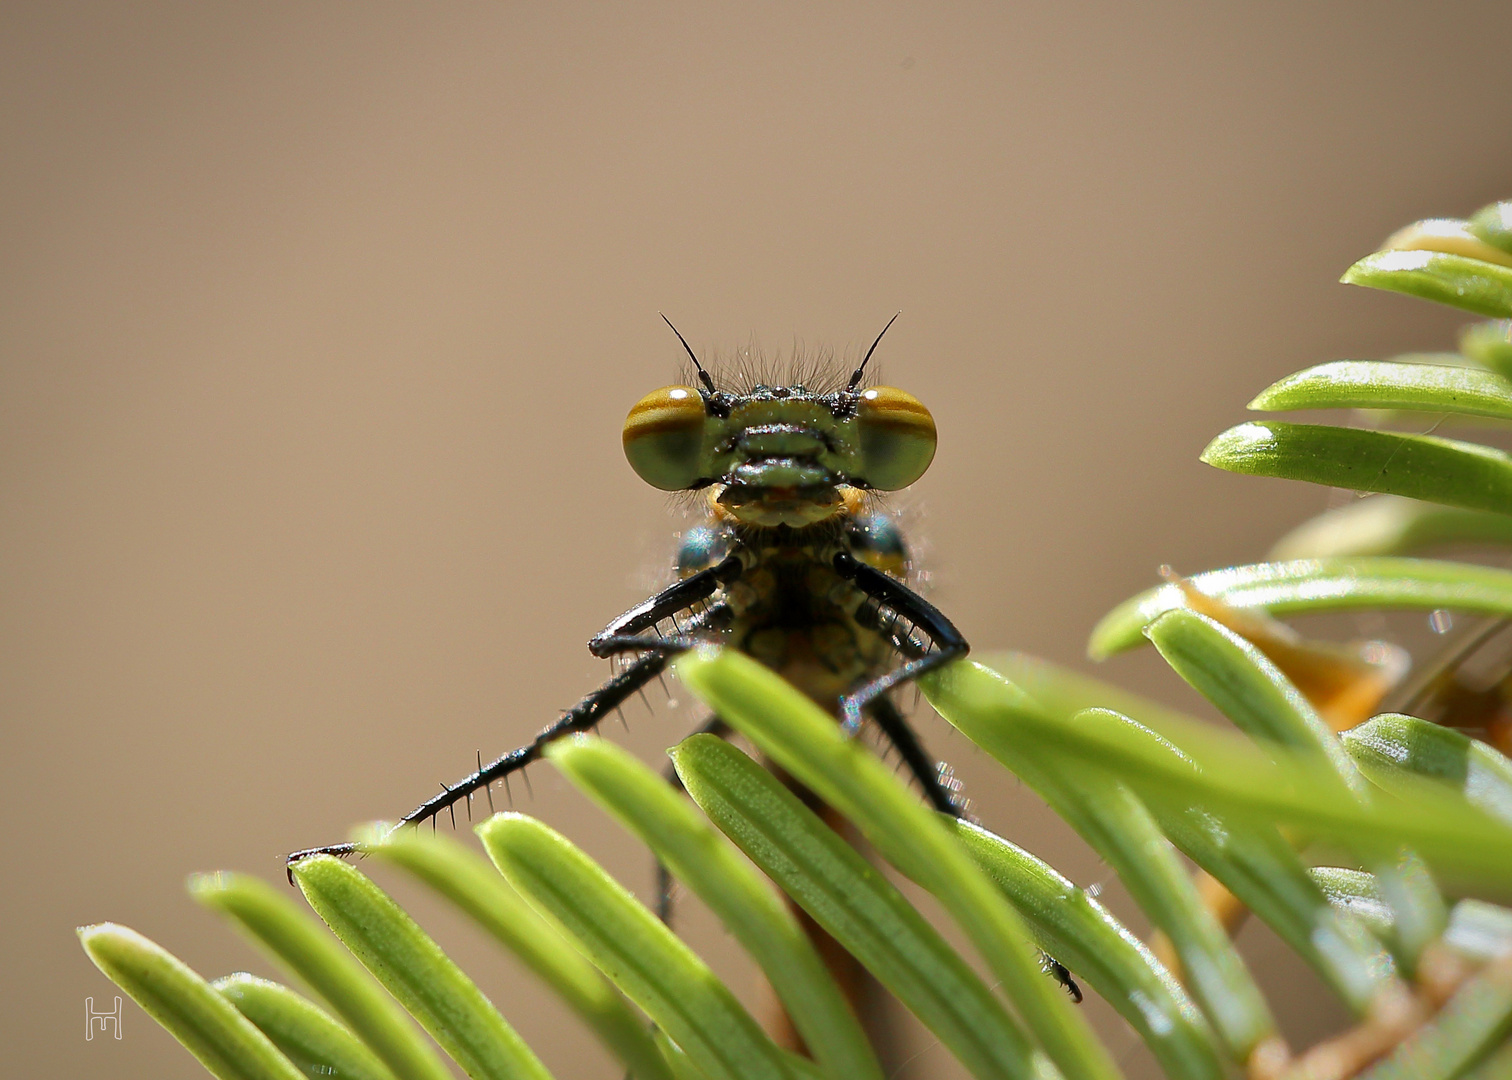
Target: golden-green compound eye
664, 437
897, 438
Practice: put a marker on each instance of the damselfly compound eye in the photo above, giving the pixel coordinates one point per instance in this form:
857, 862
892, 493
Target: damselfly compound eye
897, 438
664, 436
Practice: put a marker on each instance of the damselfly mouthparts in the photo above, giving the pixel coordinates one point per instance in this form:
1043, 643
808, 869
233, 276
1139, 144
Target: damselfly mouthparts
795, 565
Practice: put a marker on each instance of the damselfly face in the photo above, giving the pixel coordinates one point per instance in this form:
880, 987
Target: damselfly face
779, 455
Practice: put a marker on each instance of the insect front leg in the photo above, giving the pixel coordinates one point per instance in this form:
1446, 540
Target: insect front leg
923, 767
944, 644
945, 641
625, 634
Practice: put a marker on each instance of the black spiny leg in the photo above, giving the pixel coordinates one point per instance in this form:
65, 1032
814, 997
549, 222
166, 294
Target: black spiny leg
1061, 974
923, 767
618, 637
623, 634
714, 725
888, 592
950, 645
583, 716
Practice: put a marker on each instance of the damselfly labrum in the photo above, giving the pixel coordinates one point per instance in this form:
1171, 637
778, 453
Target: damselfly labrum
795, 563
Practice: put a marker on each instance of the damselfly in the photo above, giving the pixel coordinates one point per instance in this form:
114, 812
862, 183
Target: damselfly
795, 563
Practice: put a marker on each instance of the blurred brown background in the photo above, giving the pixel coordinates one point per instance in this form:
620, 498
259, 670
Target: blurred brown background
319, 321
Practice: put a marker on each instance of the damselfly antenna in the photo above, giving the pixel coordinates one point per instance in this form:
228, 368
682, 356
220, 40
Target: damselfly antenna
855, 379
703, 376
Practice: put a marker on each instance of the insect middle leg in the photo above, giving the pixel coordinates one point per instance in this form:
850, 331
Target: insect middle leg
584, 716
655, 653
944, 644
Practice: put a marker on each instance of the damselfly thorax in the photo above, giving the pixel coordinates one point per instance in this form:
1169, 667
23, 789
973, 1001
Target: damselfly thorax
791, 609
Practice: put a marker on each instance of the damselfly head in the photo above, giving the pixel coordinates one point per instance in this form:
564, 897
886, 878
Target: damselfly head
779, 455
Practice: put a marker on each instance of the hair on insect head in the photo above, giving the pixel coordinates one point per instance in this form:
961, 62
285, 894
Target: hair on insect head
812, 375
